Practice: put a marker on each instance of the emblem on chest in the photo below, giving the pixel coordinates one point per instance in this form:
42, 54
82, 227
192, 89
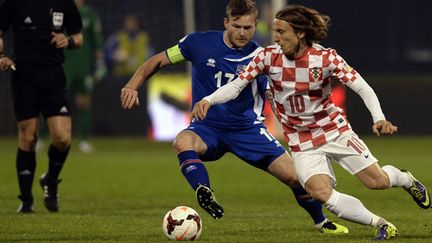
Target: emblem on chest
315, 74
57, 20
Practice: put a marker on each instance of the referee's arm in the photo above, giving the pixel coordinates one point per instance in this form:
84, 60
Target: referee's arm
78, 40
1, 42
5, 62
73, 41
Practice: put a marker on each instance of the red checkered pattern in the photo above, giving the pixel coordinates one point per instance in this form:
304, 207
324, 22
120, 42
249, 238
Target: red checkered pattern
301, 90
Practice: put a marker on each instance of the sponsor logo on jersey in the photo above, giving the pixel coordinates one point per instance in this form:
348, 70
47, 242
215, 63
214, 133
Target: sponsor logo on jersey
57, 19
211, 62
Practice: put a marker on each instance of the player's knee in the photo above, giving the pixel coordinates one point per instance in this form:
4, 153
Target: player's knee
183, 142
289, 179
27, 141
61, 142
292, 181
178, 145
321, 194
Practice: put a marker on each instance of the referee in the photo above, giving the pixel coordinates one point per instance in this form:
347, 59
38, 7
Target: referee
41, 30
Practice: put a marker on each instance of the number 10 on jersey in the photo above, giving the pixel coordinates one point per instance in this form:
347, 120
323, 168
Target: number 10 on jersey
297, 103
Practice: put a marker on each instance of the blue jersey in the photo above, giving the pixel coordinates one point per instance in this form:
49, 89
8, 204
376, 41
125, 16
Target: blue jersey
214, 64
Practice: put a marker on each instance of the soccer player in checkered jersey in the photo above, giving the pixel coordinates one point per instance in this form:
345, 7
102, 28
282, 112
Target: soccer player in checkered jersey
217, 57
314, 128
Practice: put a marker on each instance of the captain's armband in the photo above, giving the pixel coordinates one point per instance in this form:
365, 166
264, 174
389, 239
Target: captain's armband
174, 54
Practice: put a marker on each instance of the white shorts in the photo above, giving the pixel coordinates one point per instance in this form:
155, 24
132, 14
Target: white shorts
347, 149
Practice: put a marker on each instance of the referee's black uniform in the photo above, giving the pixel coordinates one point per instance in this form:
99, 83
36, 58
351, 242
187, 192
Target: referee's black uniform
39, 85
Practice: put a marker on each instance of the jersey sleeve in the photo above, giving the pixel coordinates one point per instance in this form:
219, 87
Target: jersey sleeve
255, 67
183, 50
73, 22
6, 15
187, 45
340, 69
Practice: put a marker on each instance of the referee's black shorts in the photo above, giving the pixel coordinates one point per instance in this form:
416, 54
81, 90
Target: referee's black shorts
39, 89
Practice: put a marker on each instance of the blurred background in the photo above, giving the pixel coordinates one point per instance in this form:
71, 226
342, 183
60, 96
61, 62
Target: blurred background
388, 42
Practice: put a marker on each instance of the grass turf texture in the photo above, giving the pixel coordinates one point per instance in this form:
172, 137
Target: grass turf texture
121, 192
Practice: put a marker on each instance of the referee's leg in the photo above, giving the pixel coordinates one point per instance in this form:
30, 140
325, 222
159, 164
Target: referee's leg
60, 133
60, 128
26, 162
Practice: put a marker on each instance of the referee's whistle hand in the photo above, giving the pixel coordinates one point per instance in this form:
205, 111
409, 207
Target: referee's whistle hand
6, 63
59, 40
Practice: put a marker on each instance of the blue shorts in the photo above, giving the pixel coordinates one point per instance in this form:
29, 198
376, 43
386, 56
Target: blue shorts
254, 145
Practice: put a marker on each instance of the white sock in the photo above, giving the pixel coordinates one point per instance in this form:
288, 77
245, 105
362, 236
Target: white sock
397, 178
350, 208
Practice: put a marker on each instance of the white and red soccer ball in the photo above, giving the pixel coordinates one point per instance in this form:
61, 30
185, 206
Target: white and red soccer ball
182, 223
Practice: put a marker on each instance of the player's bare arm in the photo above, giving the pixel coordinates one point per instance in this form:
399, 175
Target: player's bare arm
200, 109
270, 99
5, 62
129, 93
61, 41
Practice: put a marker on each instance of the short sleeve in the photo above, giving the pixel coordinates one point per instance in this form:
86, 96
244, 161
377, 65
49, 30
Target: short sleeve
73, 19
186, 45
6, 15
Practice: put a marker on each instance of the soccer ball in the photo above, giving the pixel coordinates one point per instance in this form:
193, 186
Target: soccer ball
182, 223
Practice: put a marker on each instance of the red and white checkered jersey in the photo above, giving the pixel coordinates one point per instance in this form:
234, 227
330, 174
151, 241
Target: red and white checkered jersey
301, 90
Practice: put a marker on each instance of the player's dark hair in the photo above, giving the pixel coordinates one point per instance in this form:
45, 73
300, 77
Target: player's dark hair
238, 8
314, 24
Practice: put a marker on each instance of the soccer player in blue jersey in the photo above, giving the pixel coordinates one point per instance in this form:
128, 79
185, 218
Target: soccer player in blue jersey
218, 57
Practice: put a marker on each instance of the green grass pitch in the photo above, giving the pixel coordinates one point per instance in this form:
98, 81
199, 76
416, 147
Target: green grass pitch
121, 192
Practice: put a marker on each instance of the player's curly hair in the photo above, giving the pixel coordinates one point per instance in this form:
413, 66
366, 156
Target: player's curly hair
237, 8
314, 24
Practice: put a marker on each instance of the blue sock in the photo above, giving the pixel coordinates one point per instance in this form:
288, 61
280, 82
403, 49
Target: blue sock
314, 208
193, 169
